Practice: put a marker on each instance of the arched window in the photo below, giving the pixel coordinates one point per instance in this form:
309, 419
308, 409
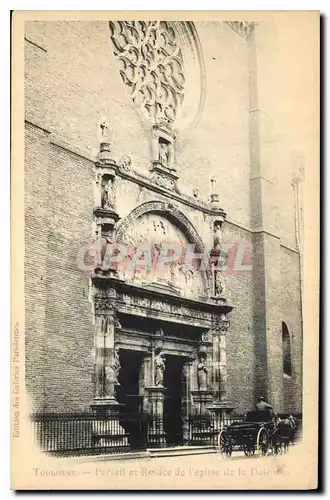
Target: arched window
286, 350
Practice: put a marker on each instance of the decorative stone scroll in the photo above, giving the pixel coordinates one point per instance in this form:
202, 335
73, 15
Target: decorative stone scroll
151, 66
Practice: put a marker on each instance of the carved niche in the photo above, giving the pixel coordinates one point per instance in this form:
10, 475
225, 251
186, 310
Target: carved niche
151, 66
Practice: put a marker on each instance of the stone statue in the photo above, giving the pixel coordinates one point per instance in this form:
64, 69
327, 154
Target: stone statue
218, 287
107, 196
163, 154
217, 234
99, 380
159, 368
196, 192
116, 366
202, 373
104, 130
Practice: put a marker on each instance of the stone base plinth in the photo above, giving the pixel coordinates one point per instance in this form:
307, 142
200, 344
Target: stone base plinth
106, 405
202, 399
107, 431
155, 404
221, 409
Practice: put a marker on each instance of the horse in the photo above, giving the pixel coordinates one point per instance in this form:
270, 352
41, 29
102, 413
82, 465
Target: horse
285, 431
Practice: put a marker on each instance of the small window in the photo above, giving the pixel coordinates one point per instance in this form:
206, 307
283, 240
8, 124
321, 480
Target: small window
286, 349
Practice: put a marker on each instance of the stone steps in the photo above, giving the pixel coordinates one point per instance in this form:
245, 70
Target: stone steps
149, 453
181, 450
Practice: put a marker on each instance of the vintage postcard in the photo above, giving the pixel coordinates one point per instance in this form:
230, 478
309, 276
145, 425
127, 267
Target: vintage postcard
165, 241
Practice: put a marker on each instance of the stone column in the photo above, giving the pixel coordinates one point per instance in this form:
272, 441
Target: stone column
106, 429
145, 380
203, 396
104, 345
155, 394
219, 364
220, 405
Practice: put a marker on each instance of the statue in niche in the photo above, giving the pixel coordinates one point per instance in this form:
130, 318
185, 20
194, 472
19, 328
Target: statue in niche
164, 154
107, 195
116, 366
218, 286
159, 364
217, 234
202, 373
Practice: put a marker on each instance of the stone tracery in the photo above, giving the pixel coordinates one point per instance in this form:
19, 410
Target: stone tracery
152, 66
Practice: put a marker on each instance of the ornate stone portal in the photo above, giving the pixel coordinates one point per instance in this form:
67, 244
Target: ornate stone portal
170, 317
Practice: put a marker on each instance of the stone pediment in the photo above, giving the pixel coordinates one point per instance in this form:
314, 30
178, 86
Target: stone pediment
163, 286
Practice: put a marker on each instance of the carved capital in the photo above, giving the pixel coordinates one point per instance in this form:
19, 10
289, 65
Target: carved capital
222, 325
104, 300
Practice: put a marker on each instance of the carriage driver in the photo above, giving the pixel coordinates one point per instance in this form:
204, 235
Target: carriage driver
262, 405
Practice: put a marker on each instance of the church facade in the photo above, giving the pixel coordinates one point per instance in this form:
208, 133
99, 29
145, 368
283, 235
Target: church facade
162, 269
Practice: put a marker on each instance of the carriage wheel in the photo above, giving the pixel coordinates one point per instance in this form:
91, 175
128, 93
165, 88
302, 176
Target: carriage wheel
224, 444
248, 450
262, 442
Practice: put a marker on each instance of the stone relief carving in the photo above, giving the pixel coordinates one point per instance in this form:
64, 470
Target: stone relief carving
165, 182
161, 206
125, 164
165, 307
207, 337
151, 66
159, 234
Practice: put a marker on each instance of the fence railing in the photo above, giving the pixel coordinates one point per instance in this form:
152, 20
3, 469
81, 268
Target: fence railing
90, 433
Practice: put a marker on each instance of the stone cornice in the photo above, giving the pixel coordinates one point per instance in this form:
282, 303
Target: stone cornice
106, 283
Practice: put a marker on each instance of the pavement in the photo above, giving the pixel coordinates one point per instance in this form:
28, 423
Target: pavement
207, 471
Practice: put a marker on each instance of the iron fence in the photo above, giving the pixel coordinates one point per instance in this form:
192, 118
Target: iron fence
89, 433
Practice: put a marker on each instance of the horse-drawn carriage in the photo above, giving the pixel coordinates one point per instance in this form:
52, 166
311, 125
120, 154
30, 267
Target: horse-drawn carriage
259, 433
